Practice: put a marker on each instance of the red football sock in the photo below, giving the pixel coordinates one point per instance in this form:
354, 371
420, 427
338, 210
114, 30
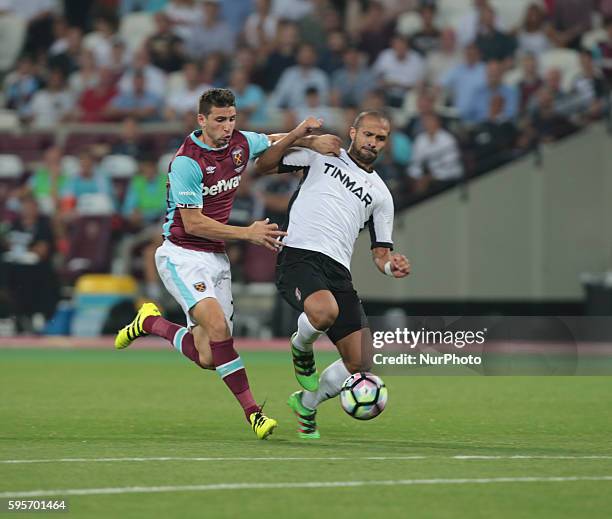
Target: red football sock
178, 336
231, 369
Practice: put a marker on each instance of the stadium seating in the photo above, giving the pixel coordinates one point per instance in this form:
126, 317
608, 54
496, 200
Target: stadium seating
409, 23
565, 60
90, 248
12, 34
8, 120
119, 166
135, 28
592, 38
512, 13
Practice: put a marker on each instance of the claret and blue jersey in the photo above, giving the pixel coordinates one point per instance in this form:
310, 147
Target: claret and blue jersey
207, 178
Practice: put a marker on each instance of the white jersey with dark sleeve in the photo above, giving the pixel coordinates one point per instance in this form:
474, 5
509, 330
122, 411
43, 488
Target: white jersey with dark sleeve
334, 202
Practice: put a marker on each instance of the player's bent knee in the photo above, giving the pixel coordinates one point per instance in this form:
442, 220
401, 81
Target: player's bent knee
322, 316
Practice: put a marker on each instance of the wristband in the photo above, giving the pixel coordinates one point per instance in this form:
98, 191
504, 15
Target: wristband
387, 269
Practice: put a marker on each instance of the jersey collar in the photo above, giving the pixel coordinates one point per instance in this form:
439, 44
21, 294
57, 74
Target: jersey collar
351, 159
195, 139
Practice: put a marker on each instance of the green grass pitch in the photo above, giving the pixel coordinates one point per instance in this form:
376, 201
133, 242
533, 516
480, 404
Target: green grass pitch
92, 404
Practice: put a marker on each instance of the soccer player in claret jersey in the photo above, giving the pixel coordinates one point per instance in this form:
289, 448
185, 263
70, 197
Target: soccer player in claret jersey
337, 197
202, 181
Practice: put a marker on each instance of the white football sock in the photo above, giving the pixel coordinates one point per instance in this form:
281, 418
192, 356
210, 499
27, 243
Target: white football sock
330, 384
306, 334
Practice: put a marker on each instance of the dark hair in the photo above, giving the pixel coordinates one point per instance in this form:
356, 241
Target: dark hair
219, 97
370, 113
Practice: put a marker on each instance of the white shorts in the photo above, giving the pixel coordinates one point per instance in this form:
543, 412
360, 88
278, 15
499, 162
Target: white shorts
191, 275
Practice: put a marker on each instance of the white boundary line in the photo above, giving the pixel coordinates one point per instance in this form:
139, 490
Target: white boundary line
320, 458
304, 484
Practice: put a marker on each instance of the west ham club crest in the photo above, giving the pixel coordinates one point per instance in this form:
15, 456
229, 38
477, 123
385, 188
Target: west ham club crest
238, 158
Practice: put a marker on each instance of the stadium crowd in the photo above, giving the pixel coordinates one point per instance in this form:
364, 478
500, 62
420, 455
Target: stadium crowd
469, 85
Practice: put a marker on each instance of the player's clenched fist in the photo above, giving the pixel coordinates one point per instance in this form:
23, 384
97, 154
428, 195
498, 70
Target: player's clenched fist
307, 126
400, 266
265, 234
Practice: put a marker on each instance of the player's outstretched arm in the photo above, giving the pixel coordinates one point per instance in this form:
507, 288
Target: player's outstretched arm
391, 264
260, 233
326, 144
274, 154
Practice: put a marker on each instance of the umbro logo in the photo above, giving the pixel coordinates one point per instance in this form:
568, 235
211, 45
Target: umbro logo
210, 169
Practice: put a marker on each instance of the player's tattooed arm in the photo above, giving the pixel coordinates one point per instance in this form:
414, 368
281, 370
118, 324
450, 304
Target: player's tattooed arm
391, 264
260, 233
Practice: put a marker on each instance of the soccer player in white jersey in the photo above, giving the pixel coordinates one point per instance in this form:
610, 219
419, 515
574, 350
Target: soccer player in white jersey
337, 197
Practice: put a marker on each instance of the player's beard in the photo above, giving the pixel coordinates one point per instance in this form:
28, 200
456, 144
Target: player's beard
367, 157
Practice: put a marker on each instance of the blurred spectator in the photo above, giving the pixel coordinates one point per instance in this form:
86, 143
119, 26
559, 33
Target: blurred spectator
398, 69
148, 6
314, 107
235, 13
185, 99
590, 88
331, 57
48, 181
164, 47
130, 141
94, 101
280, 58
563, 102
143, 208
26, 269
38, 14
213, 71
155, 78
375, 30
426, 105
250, 100
66, 49
183, 14
20, 86
603, 52
445, 58
275, 192
428, 38
210, 35
261, 25
120, 58
480, 103
138, 102
88, 180
571, 19
470, 23
291, 89
493, 44
435, 156
291, 9
462, 81
351, 83
547, 123
531, 81
100, 42
53, 104
537, 34
86, 76
318, 25
493, 140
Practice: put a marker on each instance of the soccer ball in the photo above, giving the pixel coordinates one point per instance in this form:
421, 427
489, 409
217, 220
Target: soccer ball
363, 396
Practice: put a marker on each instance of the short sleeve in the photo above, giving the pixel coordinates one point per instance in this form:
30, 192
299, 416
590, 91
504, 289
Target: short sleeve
296, 159
381, 223
258, 143
186, 183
